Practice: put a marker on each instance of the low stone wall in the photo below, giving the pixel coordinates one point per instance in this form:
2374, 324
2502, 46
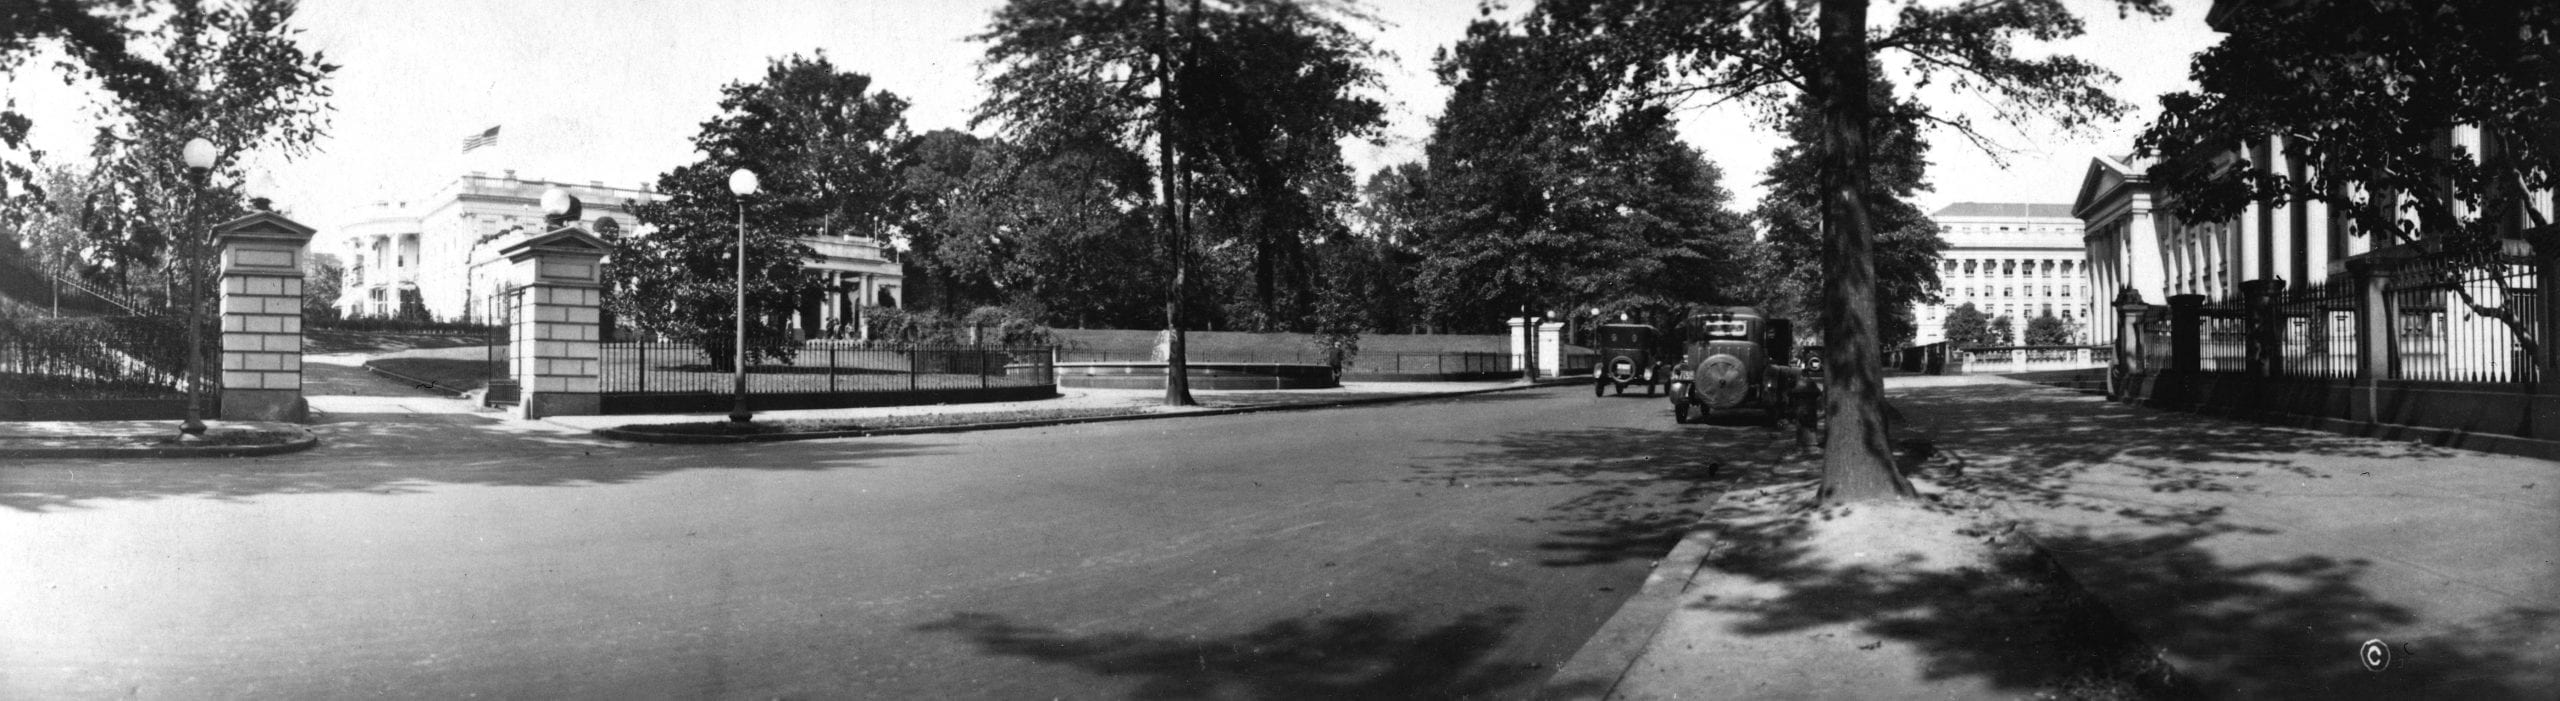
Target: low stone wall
1211, 376
2515, 418
706, 402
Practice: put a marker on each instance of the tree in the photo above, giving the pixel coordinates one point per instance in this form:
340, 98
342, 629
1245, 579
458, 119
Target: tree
95, 36
1242, 102
1541, 196
1771, 53
2367, 97
232, 74
997, 224
1387, 227
2048, 330
2003, 332
1907, 240
1967, 327
823, 145
323, 279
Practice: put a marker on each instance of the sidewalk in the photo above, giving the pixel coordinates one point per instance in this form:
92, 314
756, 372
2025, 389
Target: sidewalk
2255, 559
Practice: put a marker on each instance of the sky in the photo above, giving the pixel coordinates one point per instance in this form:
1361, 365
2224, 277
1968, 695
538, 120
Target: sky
613, 90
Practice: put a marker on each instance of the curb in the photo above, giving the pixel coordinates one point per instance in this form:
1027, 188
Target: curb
1593, 672
644, 436
306, 442
412, 381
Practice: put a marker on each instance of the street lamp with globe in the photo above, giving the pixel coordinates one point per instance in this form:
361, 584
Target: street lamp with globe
742, 182
199, 155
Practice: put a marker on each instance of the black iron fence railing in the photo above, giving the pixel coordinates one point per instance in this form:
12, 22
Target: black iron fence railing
2439, 318
633, 367
2317, 324
2445, 324
2225, 337
104, 358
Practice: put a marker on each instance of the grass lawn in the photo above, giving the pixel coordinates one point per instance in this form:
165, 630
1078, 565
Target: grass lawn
785, 426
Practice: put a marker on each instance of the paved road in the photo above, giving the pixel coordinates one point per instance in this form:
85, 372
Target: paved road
1461, 547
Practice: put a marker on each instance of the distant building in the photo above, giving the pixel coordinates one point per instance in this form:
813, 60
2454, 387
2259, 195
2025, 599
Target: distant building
444, 249
2010, 259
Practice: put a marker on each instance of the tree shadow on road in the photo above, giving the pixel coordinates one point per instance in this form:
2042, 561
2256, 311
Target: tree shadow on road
2028, 445
1355, 656
2291, 628
1648, 486
2280, 628
413, 455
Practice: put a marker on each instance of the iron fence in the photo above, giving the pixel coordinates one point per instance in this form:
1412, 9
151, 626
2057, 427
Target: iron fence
2224, 340
635, 367
106, 358
2446, 319
2318, 330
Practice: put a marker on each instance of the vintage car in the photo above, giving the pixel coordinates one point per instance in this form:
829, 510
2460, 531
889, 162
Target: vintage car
1626, 357
1735, 359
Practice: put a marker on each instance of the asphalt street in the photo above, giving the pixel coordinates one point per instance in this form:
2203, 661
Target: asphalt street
1460, 547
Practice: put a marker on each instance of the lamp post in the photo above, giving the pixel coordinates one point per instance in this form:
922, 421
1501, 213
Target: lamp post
199, 155
742, 182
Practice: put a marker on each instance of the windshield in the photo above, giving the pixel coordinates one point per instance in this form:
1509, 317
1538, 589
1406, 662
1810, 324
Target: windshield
1622, 337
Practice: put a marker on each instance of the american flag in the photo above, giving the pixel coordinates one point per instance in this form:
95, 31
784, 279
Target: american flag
486, 138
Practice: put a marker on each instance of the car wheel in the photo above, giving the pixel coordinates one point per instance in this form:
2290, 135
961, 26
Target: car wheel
1600, 388
1648, 389
1680, 413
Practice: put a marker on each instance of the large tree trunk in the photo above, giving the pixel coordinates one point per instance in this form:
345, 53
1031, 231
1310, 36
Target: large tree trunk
1177, 365
1857, 455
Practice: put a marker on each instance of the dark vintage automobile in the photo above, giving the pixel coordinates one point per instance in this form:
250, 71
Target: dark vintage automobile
1626, 357
1735, 359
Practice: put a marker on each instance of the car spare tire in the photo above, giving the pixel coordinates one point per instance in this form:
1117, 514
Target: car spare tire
1722, 382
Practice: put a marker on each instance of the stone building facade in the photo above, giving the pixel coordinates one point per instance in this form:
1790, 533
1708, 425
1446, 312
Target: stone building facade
2020, 260
444, 248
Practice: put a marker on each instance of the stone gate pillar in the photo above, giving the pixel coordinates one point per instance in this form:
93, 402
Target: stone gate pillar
556, 338
1520, 346
2186, 333
261, 258
1551, 349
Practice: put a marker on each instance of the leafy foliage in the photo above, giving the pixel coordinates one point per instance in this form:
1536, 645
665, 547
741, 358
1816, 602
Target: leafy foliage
323, 279
1540, 196
1967, 326
2367, 97
230, 73
1772, 54
1789, 276
96, 37
825, 149
2003, 332
2048, 330
1262, 92
995, 224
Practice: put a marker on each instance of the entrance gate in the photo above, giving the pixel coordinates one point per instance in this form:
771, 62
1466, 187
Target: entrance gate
504, 390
